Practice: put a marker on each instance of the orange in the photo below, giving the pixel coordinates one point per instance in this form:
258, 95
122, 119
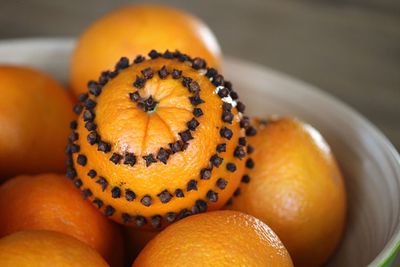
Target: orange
133, 30
50, 202
46, 249
297, 189
219, 238
158, 140
35, 111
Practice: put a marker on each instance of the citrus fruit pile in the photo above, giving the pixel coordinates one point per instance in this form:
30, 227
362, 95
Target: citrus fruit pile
162, 165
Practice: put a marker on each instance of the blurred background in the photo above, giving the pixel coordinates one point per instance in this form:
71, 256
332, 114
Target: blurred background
349, 48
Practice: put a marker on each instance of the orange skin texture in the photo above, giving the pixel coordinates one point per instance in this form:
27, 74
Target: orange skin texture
296, 188
131, 129
46, 249
134, 30
219, 238
51, 202
35, 112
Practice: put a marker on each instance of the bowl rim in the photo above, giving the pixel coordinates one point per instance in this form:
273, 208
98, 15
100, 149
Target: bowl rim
392, 247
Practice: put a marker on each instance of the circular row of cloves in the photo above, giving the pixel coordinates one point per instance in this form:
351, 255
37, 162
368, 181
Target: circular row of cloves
225, 91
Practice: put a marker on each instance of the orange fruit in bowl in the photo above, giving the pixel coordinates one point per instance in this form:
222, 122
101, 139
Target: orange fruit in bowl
297, 189
46, 249
35, 111
51, 202
159, 140
136, 29
219, 238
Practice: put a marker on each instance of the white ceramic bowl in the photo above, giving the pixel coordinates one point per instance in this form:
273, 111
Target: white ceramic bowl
370, 163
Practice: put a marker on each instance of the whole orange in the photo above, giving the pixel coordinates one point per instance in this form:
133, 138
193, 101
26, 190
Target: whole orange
296, 188
51, 202
219, 238
158, 140
46, 249
133, 30
35, 112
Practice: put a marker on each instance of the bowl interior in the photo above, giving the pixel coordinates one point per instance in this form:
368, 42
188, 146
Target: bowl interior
370, 163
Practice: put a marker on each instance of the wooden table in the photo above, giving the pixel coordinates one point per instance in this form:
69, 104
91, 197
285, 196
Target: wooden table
350, 49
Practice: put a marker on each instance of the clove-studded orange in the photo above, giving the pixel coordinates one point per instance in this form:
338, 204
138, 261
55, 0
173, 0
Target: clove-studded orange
158, 140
